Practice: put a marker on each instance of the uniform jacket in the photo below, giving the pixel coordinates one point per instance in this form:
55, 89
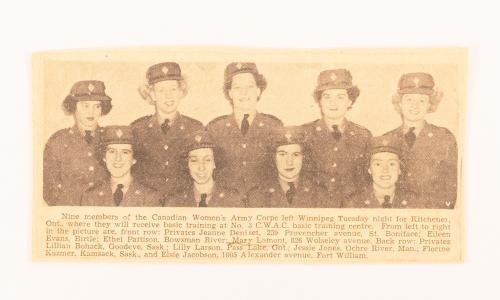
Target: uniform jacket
221, 197
340, 166
367, 199
70, 166
245, 155
431, 165
270, 194
159, 155
136, 195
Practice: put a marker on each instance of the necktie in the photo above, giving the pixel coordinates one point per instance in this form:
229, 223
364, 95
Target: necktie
165, 126
244, 124
118, 195
88, 136
410, 137
336, 132
203, 200
387, 202
290, 193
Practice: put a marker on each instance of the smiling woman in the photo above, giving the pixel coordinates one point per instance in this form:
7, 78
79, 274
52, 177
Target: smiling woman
430, 152
159, 136
120, 188
201, 157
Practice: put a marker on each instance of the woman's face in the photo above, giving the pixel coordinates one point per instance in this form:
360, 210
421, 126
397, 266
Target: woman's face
201, 165
87, 114
244, 92
334, 103
414, 107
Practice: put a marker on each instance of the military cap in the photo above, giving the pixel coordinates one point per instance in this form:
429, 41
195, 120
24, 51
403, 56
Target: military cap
117, 135
385, 144
336, 79
163, 71
88, 90
198, 139
239, 67
288, 135
416, 83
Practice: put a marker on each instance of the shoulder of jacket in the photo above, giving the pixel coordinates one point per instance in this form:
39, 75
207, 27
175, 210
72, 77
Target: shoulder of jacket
361, 130
310, 124
273, 119
393, 132
61, 134
191, 121
140, 121
218, 121
441, 131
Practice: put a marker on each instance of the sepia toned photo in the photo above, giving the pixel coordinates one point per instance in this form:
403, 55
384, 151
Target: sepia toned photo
239, 154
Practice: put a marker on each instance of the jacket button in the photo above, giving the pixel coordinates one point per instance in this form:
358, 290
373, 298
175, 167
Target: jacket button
165, 147
332, 179
91, 168
244, 145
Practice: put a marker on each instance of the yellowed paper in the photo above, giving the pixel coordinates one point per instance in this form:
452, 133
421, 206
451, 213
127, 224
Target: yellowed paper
335, 232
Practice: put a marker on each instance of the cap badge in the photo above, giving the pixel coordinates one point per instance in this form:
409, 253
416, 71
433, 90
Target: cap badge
288, 136
333, 77
416, 80
238, 66
119, 133
91, 87
404, 202
385, 142
198, 138
164, 70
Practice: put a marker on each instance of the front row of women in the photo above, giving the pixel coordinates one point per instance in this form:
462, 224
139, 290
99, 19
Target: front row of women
288, 185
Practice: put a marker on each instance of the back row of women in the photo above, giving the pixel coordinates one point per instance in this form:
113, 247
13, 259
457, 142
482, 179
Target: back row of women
247, 158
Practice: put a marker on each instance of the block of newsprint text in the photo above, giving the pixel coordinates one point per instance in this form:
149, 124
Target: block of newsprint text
234, 155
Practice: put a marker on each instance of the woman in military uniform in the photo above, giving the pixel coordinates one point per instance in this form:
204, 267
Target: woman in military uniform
201, 159
70, 165
244, 135
338, 146
159, 136
385, 170
430, 151
120, 188
288, 186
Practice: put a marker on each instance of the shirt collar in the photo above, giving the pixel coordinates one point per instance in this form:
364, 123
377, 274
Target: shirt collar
197, 194
417, 130
381, 193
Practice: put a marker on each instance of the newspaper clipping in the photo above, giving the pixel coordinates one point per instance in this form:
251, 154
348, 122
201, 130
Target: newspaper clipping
237, 155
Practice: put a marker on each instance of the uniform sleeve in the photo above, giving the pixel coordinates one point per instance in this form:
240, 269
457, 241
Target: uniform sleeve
85, 201
324, 199
449, 173
51, 173
154, 199
362, 163
255, 199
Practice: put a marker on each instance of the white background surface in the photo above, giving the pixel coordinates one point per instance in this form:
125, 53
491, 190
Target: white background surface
44, 25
